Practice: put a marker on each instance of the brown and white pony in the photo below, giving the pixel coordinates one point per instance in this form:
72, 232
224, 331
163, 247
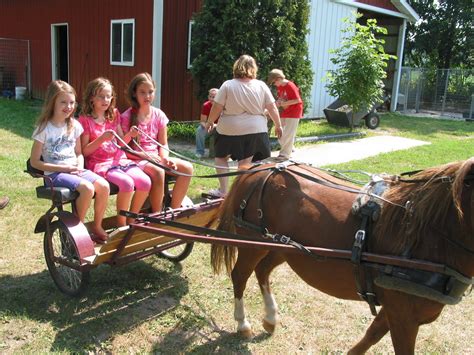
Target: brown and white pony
437, 227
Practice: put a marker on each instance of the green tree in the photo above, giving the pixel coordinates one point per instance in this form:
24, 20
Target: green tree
361, 64
273, 32
443, 37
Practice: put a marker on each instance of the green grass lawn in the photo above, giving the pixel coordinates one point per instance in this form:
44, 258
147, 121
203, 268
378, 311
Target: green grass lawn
156, 306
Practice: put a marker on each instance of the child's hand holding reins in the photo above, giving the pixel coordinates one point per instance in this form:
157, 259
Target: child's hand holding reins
169, 163
133, 131
107, 135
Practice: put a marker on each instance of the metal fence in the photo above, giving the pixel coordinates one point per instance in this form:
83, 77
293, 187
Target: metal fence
15, 72
449, 92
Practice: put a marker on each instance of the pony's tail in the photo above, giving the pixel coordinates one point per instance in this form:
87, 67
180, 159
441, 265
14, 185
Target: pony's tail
225, 254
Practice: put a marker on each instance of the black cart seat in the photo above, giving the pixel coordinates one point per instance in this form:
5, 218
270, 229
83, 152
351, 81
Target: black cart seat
58, 195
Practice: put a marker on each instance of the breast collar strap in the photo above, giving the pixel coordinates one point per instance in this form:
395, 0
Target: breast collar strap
239, 219
363, 280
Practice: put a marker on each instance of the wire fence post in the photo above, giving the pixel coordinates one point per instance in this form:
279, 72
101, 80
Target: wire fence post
471, 110
407, 88
15, 68
419, 84
445, 93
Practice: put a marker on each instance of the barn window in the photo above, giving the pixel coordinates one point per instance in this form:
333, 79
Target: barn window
122, 42
191, 55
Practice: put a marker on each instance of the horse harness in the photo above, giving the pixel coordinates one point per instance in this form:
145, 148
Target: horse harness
447, 287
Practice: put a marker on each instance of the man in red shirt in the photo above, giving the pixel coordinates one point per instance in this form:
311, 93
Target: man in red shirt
201, 132
289, 100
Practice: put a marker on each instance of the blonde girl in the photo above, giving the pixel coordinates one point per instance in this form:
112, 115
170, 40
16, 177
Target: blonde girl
57, 151
101, 121
151, 120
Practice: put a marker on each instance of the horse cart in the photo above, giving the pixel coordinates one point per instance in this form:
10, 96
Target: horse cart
408, 266
71, 253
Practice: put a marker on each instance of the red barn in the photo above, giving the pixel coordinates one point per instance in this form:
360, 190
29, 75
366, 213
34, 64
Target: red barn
77, 41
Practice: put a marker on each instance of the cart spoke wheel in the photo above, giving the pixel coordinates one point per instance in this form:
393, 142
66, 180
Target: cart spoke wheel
63, 262
177, 253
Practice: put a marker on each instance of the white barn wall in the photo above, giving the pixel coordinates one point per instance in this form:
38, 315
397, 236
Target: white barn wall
325, 33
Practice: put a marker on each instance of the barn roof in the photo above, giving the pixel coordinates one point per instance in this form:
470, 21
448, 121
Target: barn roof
404, 7
397, 8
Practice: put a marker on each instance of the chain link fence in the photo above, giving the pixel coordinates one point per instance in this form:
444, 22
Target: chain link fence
449, 92
15, 74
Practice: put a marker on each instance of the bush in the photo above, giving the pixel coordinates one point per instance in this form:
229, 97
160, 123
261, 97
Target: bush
182, 130
273, 32
360, 66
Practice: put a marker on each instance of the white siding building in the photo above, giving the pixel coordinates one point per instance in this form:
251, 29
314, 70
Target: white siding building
325, 33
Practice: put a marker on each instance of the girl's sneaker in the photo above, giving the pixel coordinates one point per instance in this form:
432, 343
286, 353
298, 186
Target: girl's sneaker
216, 193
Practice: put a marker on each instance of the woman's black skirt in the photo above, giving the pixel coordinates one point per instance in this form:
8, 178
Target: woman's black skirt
242, 147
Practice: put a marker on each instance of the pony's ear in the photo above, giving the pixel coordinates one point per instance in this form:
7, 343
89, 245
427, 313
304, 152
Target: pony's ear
469, 184
464, 183
470, 174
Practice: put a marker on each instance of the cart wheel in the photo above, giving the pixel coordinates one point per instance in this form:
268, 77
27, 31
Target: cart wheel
372, 120
59, 248
177, 253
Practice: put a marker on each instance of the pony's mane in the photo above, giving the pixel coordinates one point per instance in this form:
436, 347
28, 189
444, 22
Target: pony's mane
430, 204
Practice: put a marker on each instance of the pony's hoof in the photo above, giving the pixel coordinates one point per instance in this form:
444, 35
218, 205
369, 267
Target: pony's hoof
270, 328
246, 333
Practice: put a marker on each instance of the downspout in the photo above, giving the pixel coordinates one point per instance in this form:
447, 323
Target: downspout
157, 48
398, 65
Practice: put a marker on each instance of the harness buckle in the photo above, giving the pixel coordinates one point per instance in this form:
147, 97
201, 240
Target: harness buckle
267, 235
259, 213
280, 238
359, 238
448, 179
243, 204
280, 166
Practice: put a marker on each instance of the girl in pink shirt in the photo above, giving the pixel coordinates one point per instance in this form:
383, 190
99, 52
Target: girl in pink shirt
153, 121
101, 120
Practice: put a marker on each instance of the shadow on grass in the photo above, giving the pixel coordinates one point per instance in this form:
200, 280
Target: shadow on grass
118, 299
188, 332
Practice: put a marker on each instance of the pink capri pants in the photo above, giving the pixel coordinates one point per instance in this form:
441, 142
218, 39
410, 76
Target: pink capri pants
129, 178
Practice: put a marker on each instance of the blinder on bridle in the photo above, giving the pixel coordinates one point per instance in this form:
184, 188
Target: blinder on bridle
467, 183
468, 178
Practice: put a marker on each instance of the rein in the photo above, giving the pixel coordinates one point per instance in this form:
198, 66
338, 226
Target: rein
177, 154
458, 245
445, 178
126, 148
279, 167
344, 188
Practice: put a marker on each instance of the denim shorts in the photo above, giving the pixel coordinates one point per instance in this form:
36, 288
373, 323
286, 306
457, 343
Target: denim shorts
71, 181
